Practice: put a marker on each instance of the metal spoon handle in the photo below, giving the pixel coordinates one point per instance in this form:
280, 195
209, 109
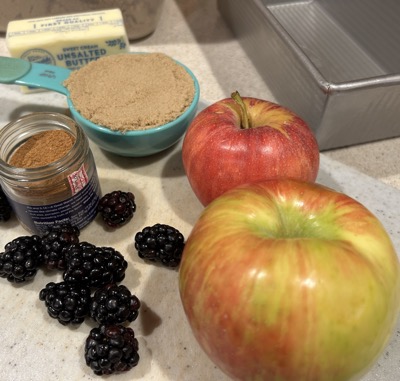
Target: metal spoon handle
38, 75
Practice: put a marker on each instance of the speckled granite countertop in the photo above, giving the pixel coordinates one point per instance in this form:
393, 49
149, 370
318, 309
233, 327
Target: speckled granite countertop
34, 347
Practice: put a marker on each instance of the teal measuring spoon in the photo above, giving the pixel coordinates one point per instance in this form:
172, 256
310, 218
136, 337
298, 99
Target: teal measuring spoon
20, 72
25, 73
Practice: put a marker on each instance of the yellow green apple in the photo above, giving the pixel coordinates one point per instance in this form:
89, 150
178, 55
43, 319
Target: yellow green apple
285, 280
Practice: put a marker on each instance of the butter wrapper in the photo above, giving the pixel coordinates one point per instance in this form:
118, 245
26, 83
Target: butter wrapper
69, 41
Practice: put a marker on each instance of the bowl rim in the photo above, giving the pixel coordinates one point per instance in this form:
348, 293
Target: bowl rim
148, 131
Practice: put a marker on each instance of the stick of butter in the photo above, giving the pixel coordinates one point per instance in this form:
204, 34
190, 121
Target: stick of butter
70, 41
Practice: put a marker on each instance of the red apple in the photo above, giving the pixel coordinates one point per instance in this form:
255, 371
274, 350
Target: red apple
241, 140
291, 281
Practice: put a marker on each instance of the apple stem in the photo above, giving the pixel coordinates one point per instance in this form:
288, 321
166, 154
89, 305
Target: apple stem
245, 121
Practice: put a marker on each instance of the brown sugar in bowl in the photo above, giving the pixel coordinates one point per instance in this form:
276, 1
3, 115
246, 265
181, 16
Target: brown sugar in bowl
120, 138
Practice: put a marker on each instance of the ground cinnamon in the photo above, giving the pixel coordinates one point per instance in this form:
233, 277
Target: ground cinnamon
42, 149
131, 91
48, 171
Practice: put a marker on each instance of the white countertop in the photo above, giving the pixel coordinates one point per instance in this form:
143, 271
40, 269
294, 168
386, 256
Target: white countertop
192, 31
35, 347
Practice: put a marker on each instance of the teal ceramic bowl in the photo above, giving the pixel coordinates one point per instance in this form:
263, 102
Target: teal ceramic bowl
144, 142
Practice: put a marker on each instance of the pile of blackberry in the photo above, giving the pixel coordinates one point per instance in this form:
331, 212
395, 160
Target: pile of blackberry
5, 207
86, 269
91, 276
160, 243
117, 208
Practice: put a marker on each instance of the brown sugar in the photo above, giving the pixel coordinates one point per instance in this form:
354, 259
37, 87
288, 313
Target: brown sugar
42, 149
131, 91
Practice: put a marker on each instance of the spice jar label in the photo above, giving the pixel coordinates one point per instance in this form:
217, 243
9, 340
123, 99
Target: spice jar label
78, 210
78, 180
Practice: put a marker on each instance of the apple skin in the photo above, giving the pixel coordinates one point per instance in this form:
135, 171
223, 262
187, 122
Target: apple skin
218, 154
290, 281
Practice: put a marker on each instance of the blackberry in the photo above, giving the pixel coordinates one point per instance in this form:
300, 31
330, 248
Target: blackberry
5, 207
21, 259
93, 265
56, 241
66, 302
111, 349
113, 304
117, 208
160, 243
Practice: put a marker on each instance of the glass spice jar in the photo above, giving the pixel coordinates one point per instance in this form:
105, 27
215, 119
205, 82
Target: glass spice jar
66, 190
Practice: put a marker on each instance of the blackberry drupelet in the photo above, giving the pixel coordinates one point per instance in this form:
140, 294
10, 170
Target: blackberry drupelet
66, 302
21, 259
56, 241
117, 208
111, 349
113, 304
5, 207
160, 243
93, 265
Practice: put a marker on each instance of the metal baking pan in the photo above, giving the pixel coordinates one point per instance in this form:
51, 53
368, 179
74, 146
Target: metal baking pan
334, 62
